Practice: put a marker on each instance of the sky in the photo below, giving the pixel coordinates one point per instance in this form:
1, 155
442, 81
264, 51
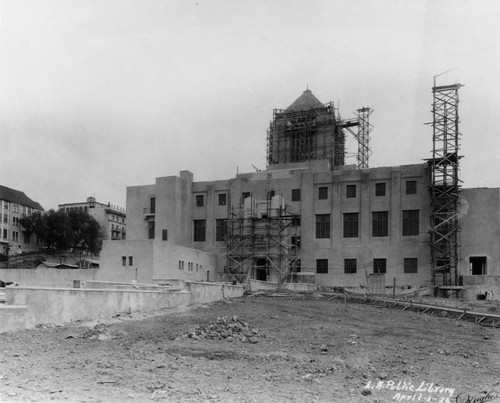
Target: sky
96, 96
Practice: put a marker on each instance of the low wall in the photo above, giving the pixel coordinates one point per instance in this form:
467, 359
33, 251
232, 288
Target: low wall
47, 277
233, 291
113, 285
205, 292
474, 285
60, 305
302, 287
257, 285
15, 317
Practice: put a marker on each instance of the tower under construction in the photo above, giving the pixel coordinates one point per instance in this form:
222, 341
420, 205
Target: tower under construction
445, 185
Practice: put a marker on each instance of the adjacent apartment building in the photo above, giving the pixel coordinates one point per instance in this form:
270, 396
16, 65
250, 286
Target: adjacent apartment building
14, 204
111, 218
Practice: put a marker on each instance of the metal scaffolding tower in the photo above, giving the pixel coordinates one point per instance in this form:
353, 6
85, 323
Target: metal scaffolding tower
445, 185
304, 135
363, 136
262, 240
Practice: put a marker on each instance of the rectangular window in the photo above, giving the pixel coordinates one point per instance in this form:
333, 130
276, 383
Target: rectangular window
124, 260
410, 265
350, 191
5, 233
164, 235
180, 265
322, 193
322, 226
130, 260
411, 223
151, 230
295, 194
295, 222
199, 200
244, 195
380, 266
220, 229
379, 189
380, 223
351, 225
26, 237
152, 205
411, 187
350, 266
222, 199
199, 230
322, 266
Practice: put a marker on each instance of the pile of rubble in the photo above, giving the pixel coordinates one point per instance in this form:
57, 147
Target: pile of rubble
227, 328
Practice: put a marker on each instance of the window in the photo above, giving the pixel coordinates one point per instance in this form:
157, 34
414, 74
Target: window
411, 224
410, 265
478, 265
199, 230
244, 195
26, 237
380, 223
295, 242
152, 205
5, 233
272, 193
350, 266
199, 200
350, 191
164, 235
151, 229
351, 225
380, 266
322, 193
220, 229
5, 218
130, 260
124, 260
411, 187
295, 222
295, 194
222, 199
322, 226
322, 266
379, 189
15, 236
180, 265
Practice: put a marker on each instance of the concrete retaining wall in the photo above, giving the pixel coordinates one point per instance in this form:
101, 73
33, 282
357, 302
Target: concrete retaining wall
60, 305
302, 287
257, 285
47, 277
479, 285
15, 317
233, 291
205, 292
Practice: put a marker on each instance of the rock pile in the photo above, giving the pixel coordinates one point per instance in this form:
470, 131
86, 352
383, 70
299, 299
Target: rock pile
227, 328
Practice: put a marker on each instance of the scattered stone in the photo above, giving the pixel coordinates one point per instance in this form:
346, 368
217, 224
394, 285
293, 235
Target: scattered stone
382, 375
324, 348
227, 328
366, 392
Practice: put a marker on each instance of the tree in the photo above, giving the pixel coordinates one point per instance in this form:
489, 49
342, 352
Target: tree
61, 230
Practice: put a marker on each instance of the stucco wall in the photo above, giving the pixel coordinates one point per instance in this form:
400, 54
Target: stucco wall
15, 317
60, 305
475, 285
47, 277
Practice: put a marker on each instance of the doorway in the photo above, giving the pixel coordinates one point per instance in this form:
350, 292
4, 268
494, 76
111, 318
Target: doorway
261, 270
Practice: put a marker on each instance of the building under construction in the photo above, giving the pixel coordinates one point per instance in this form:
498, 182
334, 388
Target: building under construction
311, 217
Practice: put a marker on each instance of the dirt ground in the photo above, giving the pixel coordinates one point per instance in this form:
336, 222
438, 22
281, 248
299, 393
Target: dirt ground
306, 350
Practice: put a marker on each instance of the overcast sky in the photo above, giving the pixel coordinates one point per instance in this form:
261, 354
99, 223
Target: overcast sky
96, 95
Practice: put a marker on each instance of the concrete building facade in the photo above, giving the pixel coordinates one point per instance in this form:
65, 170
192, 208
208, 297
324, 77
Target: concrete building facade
14, 205
111, 218
308, 218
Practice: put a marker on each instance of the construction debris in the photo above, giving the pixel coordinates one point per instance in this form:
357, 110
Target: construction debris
227, 328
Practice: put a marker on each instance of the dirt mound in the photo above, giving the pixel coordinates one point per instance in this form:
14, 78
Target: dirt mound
228, 328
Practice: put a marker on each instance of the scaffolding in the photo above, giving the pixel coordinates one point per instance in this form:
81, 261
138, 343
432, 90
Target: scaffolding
262, 240
305, 135
445, 186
